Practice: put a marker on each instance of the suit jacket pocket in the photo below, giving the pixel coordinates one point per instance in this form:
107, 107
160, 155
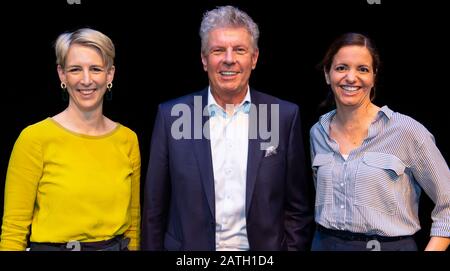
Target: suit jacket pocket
273, 159
170, 243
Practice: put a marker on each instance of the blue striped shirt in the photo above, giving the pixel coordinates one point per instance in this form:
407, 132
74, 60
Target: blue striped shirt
376, 189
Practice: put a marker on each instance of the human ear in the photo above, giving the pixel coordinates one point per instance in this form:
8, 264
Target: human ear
327, 76
204, 62
61, 74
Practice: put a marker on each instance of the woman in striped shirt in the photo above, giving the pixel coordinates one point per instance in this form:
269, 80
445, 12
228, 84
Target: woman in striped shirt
370, 163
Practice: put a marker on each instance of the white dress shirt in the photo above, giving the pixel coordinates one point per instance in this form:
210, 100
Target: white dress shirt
229, 148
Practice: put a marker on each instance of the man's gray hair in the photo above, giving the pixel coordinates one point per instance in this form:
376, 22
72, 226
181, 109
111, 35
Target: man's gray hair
227, 16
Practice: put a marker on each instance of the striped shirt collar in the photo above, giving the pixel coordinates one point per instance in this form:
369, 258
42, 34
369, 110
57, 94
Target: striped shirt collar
325, 119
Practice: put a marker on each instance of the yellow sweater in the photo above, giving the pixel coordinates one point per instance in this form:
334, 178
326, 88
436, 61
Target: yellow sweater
70, 186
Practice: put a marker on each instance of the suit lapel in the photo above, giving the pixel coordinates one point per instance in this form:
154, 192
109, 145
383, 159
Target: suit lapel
203, 153
254, 151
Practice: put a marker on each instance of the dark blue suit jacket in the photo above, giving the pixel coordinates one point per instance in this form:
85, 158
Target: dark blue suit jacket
179, 204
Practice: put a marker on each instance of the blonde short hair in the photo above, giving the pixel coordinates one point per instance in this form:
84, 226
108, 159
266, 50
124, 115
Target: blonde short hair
85, 37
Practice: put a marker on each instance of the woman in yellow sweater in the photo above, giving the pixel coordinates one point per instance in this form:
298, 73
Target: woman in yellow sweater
73, 179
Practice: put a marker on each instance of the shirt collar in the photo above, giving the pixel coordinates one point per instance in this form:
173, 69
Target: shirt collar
386, 111
325, 119
215, 109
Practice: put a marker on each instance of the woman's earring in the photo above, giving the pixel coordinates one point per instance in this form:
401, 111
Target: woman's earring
65, 95
109, 92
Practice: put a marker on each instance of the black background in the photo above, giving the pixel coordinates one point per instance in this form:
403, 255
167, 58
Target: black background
158, 58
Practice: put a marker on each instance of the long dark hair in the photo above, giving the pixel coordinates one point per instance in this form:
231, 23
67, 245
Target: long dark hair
348, 39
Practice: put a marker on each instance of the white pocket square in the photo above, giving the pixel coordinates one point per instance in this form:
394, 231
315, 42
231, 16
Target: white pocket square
270, 151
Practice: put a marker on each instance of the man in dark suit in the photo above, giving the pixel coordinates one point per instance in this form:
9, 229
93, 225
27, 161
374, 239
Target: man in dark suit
226, 169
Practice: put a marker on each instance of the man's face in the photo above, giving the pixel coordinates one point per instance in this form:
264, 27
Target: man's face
229, 60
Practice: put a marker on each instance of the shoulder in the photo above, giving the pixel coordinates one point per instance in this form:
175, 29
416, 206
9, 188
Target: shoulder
285, 107
127, 132
188, 99
39, 129
325, 119
315, 128
408, 125
262, 97
409, 129
34, 136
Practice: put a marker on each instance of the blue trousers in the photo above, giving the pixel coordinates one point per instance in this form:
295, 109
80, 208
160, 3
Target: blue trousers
326, 242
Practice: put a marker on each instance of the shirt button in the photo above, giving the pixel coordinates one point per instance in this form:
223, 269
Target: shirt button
342, 206
342, 184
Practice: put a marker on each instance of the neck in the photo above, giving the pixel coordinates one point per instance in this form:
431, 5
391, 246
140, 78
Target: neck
353, 117
228, 101
84, 122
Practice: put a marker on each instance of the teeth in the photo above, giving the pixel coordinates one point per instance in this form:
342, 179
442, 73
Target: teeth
228, 73
86, 91
349, 88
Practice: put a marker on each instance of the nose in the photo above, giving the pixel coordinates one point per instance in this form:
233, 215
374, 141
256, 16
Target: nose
86, 80
229, 56
351, 76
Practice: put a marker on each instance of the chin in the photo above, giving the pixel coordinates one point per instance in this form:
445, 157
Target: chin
348, 103
228, 90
